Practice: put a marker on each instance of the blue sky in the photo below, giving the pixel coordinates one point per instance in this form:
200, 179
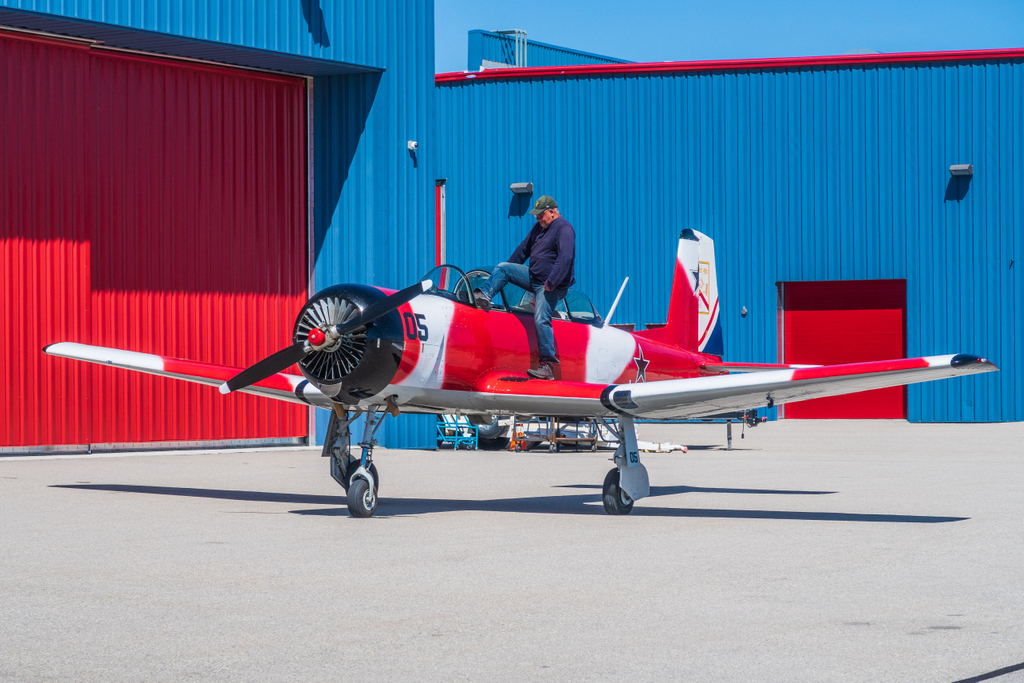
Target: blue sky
734, 29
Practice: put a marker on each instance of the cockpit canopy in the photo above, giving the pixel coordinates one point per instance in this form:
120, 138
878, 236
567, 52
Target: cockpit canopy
453, 283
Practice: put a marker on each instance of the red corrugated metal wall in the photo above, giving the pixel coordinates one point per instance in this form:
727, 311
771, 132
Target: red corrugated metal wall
150, 205
44, 240
854, 321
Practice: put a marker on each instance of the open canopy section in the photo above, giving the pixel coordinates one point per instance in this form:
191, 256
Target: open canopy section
451, 282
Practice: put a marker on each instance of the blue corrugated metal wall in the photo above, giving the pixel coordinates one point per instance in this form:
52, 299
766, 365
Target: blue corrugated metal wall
496, 47
373, 201
350, 31
817, 173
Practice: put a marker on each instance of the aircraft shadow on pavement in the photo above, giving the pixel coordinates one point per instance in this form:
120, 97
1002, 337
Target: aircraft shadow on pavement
670, 490
582, 504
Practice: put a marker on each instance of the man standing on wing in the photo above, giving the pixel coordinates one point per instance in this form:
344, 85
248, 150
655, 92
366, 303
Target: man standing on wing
551, 249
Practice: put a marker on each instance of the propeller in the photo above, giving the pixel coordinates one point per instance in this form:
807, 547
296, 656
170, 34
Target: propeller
320, 338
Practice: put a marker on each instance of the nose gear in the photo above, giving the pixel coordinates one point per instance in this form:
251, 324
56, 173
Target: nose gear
358, 476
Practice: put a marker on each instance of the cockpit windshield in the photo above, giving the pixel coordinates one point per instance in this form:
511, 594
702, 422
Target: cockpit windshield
450, 283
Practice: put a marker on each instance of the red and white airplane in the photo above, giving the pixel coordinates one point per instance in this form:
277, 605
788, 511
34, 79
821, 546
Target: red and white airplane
430, 348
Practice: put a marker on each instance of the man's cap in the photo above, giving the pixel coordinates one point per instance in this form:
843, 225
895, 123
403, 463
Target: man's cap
543, 204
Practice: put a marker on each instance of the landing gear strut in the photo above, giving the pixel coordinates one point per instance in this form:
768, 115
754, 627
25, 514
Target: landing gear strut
358, 476
628, 482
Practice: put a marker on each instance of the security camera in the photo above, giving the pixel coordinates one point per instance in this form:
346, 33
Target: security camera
412, 145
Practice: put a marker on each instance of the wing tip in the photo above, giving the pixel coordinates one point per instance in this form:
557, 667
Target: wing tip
224, 388
60, 349
968, 362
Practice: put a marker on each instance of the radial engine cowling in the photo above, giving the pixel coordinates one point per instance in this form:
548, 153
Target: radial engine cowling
361, 363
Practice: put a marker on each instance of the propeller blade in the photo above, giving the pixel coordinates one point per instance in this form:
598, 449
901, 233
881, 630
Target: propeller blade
271, 365
383, 307
290, 355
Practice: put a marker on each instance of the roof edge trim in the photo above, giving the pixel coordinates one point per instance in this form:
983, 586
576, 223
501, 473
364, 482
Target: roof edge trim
173, 45
654, 68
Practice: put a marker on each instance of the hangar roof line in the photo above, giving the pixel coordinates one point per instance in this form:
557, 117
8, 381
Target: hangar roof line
652, 68
155, 42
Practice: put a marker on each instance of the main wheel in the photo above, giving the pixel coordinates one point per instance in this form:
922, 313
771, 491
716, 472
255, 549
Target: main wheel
615, 500
362, 502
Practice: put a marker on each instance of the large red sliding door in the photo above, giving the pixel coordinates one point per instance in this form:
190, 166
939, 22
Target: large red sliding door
852, 321
155, 206
48, 195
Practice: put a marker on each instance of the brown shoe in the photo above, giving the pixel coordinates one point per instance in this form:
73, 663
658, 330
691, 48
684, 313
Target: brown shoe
542, 371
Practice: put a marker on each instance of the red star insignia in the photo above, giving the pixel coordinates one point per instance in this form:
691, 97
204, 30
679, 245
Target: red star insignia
641, 365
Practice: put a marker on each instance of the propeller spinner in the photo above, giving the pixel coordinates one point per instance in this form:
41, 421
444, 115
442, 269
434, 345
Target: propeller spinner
320, 338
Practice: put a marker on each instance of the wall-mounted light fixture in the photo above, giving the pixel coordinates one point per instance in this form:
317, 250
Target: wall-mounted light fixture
522, 188
412, 145
961, 169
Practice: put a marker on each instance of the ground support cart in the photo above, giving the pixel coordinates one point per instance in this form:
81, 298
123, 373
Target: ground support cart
558, 433
457, 430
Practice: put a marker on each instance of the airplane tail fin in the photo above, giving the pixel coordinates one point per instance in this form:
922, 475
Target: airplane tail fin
693, 321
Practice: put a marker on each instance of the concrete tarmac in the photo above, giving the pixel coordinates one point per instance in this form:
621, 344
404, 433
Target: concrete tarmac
813, 551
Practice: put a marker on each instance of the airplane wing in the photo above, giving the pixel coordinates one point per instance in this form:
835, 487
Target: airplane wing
704, 396
700, 396
665, 399
281, 386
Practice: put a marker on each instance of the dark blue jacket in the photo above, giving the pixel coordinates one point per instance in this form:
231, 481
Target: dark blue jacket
552, 254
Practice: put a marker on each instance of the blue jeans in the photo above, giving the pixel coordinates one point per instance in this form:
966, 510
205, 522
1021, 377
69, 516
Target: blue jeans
544, 303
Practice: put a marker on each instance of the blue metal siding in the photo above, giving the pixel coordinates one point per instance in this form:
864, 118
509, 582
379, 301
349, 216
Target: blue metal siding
161, 43
352, 31
816, 173
374, 212
496, 47
373, 201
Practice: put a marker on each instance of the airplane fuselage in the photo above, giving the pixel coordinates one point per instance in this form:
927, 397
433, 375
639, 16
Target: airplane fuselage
449, 347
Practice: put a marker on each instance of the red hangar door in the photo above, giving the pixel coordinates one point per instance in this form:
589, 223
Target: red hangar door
847, 321
153, 205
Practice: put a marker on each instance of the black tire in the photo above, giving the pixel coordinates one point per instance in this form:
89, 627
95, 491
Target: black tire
554, 447
361, 502
593, 446
613, 497
519, 447
498, 444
